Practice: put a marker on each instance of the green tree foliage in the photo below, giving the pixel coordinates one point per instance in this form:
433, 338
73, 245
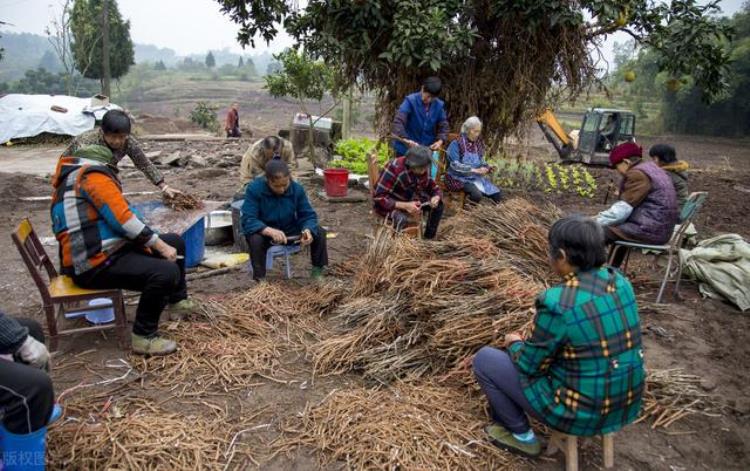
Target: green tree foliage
210, 60
497, 59
41, 81
683, 105
160, 66
85, 23
241, 63
204, 115
684, 109
301, 78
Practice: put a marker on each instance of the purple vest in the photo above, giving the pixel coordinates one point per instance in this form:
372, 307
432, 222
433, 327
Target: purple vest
654, 219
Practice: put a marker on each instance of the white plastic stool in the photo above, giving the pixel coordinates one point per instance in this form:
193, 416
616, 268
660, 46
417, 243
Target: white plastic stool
281, 250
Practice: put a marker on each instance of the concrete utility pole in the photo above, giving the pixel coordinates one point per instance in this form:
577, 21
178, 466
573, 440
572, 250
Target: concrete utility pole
105, 49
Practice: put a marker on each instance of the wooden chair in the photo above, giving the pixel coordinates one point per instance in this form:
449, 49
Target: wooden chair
414, 228
450, 198
671, 249
60, 290
568, 444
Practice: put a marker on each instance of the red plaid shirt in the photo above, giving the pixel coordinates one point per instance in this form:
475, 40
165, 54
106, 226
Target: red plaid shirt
397, 183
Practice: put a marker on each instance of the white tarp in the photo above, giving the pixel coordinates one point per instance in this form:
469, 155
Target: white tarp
30, 115
722, 267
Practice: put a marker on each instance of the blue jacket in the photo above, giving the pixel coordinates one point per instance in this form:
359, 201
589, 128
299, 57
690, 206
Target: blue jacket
290, 212
412, 122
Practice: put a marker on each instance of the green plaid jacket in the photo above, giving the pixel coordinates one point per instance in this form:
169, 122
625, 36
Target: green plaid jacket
582, 367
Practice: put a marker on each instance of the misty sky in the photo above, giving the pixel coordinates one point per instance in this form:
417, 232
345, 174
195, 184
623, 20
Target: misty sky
187, 26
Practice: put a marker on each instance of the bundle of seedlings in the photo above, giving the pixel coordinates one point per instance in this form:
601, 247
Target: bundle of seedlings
179, 201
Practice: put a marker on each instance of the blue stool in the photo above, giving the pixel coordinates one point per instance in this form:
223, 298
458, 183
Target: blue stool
279, 251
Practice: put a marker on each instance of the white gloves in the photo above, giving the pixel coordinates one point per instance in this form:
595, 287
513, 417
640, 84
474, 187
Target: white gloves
617, 213
33, 352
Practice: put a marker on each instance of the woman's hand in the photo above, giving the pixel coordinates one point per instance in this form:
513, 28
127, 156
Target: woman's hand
306, 238
510, 338
435, 201
411, 207
437, 144
165, 250
277, 236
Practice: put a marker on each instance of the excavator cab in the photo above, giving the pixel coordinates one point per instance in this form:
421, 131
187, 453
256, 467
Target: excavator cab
601, 131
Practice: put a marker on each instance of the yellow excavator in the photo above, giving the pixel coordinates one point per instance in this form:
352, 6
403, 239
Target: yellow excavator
601, 130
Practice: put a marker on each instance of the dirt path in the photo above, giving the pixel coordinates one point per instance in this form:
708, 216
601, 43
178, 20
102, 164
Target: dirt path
704, 337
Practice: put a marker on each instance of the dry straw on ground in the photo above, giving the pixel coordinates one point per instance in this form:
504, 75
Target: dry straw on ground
410, 426
131, 433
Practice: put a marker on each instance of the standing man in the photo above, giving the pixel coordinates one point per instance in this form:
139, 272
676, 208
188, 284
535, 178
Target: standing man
115, 135
405, 188
232, 123
421, 119
259, 154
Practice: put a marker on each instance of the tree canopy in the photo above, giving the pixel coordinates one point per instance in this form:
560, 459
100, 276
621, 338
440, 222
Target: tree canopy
85, 24
502, 60
683, 107
210, 60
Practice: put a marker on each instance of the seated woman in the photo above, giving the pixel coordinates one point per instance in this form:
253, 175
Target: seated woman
467, 169
647, 209
581, 370
665, 157
275, 209
104, 245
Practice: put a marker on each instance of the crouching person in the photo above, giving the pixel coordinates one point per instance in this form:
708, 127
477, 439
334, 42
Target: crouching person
581, 369
103, 244
26, 395
277, 211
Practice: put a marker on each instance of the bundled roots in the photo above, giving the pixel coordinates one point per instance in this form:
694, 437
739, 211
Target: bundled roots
217, 350
411, 426
519, 230
420, 307
181, 201
133, 434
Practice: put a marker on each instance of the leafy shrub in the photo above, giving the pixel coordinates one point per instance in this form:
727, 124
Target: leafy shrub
204, 115
354, 152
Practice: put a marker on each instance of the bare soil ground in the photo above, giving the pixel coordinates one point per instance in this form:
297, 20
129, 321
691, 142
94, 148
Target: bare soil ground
704, 337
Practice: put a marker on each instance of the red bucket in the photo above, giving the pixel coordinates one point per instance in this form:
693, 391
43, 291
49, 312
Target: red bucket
336, 181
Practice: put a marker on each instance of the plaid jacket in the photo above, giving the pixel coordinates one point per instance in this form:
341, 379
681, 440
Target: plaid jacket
132, 149
397, 183
90, 217
582, 368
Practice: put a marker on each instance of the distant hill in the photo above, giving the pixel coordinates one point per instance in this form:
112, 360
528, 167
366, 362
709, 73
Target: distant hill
24, 51
153, 54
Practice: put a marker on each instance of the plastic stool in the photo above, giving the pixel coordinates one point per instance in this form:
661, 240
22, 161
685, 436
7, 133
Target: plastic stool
281, 250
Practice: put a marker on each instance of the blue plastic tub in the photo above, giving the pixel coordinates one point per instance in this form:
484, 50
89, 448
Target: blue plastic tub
194, 237
195, 246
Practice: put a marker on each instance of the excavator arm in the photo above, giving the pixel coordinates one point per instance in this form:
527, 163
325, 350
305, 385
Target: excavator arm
555, 134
